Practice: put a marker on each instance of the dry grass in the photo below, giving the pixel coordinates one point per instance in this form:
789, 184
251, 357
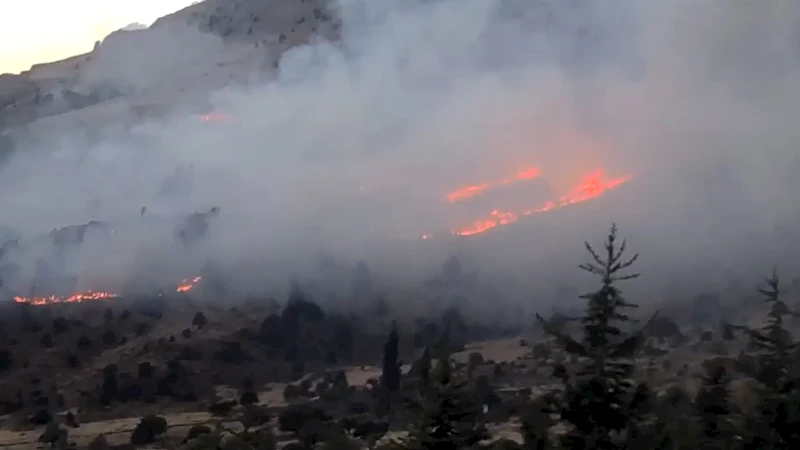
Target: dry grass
116, 431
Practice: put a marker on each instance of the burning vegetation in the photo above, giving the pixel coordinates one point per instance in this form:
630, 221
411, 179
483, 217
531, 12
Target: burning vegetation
74, 298
195, 226
185, 285
592, 186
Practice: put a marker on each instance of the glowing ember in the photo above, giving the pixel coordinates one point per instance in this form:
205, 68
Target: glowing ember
188, 284
592, 187
74, 298
472, 191
215, 117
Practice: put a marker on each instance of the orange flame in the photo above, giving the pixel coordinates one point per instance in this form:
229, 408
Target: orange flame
74, 298
591, 187
474, 190
188, 284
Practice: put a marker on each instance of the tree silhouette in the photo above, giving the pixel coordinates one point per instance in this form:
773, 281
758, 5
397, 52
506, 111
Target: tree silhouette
448, 416
596, 404
774, 424
390, 376
773, 342
199, 320
714, 408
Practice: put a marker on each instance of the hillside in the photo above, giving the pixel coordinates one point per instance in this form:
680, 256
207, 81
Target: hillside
182, 56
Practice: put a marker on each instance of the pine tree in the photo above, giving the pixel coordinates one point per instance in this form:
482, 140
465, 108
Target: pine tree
714, 410
775, 423
449, 417
391, 366
597, 401
535, 423
774, 343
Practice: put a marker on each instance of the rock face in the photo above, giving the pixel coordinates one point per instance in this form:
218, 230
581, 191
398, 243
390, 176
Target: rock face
15, 91
13, 87
287, 21
204, 47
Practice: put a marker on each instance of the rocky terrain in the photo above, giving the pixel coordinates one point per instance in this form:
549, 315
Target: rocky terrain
144, 72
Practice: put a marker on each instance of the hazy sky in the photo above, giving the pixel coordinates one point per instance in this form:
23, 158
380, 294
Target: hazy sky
35, 31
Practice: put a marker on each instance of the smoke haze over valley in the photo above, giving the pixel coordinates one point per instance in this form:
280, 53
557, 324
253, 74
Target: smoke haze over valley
344, 135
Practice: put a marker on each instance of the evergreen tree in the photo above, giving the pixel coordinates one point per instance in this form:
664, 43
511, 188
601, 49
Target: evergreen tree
597, 400
449, 417
646, 430
775, 423
714, 410
773, 342
391, 366
535, 423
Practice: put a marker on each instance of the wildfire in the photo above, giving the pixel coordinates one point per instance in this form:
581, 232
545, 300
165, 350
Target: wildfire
185, 285
477, 189
188, 284
591, 187
74, 298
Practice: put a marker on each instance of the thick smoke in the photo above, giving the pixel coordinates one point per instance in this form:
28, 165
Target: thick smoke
350, 150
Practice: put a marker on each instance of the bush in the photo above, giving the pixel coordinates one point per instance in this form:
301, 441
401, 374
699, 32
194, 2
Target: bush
130, 392
365, 429
60, 325
144, 370
232, 353
99, 443
248, 398
262, 439
359, 407
198, 430
270, 332
199, 320
53, 434
109, 338
295, 417
312, 432
222, 408
253, 416
41, 417
148, 428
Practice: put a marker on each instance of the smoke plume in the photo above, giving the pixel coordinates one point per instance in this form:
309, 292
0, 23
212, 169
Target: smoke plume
351, 148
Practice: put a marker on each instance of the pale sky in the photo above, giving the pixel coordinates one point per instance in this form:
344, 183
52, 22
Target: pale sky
34, 31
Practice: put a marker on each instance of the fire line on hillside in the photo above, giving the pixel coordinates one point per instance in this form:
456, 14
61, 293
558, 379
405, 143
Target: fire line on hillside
185, 285
591, 187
